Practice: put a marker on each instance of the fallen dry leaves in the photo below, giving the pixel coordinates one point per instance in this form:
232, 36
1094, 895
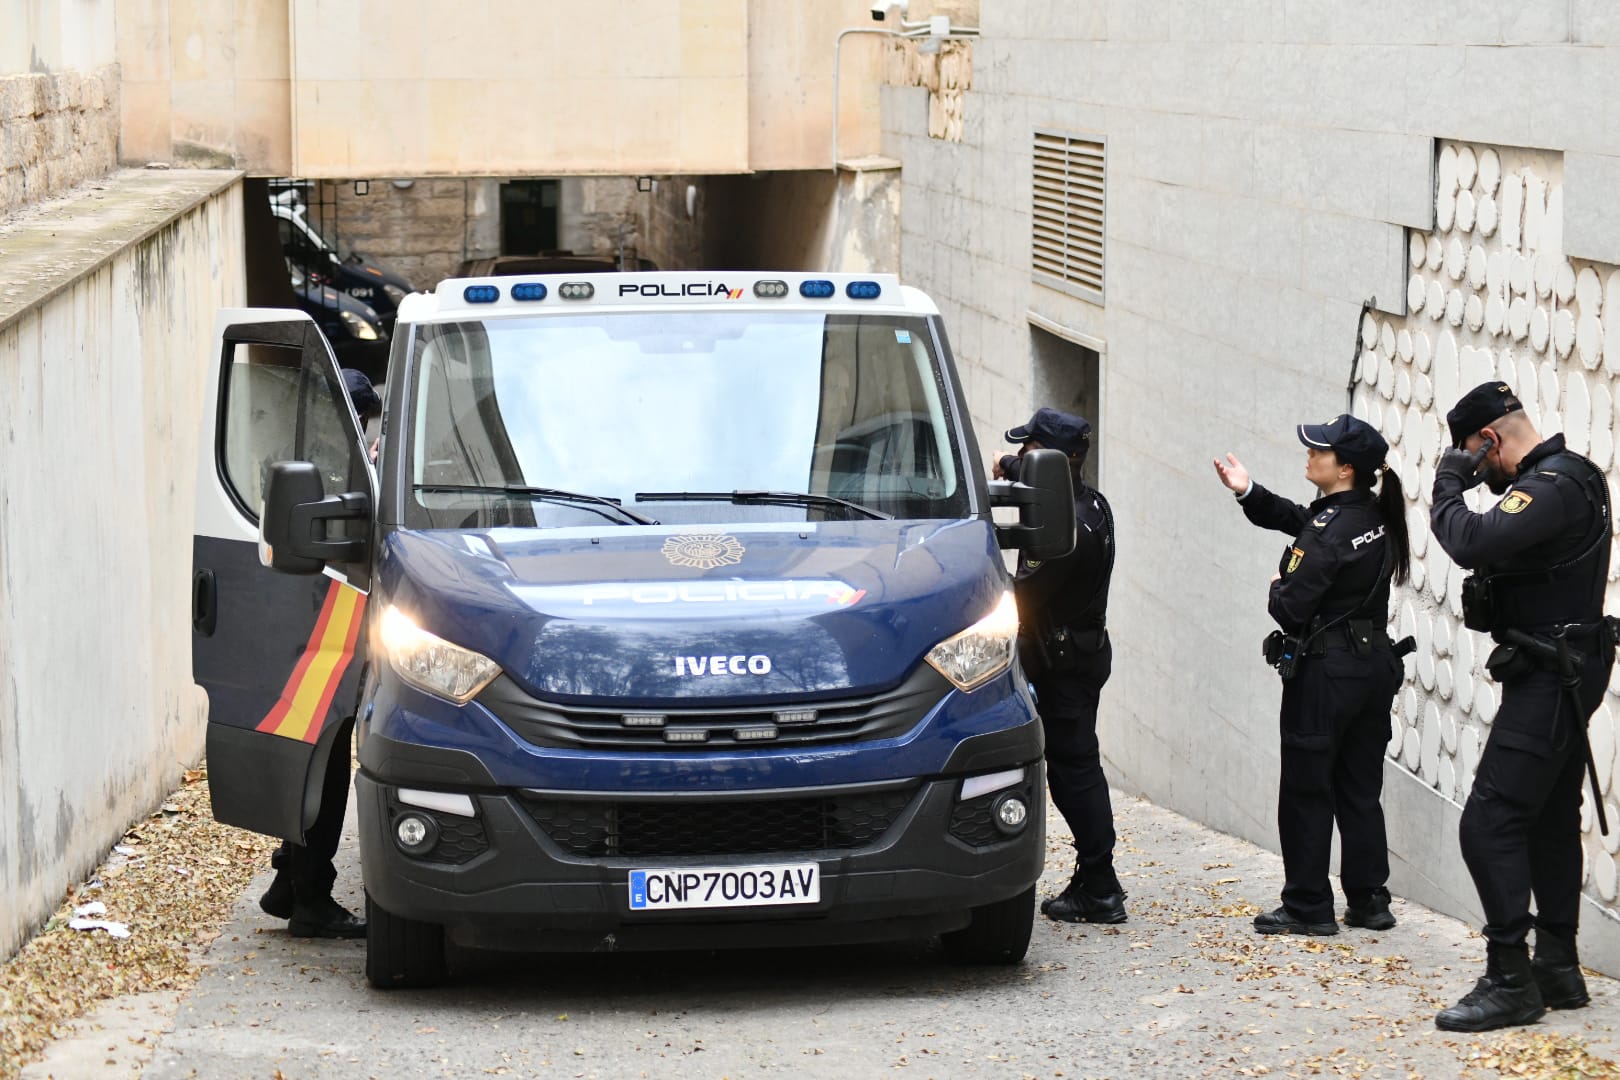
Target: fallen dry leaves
1549, 1055
173, 884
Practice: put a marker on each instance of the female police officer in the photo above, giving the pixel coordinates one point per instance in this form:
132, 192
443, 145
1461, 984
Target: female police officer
1330, 597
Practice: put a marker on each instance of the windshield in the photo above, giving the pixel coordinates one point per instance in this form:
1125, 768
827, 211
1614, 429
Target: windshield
616, 405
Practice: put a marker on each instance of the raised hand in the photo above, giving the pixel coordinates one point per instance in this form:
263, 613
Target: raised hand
1232, 473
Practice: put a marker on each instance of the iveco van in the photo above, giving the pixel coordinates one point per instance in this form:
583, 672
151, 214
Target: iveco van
671, 614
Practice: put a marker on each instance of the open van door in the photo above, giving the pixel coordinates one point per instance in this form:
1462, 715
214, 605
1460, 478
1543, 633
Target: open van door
276, 652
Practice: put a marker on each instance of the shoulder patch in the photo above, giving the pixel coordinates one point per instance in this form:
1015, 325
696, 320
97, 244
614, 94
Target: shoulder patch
1320, 520
1033, 564
1514, 502
1295, 557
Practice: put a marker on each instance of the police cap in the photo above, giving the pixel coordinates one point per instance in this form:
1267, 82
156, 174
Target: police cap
1355, 442
1056, 430
1484, 403
362, 393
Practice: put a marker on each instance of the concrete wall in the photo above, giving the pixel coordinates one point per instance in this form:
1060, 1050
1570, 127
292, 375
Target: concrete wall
1265, 163
207, 85
331, 88
100, 391
52, 36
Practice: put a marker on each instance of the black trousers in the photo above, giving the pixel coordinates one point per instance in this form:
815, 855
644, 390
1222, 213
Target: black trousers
1521, 827
1067, 701
1335, 727
310, 864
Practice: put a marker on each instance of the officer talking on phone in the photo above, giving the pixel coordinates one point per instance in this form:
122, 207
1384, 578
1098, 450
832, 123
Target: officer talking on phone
1540, 562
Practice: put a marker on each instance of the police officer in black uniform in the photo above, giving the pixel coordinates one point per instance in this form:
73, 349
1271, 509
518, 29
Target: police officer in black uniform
1540, 562
1330, 598
1064, 647
301, 891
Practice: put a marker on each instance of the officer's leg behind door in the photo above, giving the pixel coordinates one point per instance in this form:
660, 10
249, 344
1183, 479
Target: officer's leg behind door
310, 865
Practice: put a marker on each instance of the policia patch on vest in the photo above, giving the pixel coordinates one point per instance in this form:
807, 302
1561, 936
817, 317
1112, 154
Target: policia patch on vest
1295, 557
1514, 502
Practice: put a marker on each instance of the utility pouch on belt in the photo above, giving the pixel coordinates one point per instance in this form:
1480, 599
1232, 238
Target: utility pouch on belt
1478, 603
1611, 630
1282, 652
1062, 651
1509, 662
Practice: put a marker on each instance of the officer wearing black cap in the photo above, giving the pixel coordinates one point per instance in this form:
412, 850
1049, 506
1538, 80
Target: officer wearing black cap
1330, 597
1063, 644
301, 891
1540, 562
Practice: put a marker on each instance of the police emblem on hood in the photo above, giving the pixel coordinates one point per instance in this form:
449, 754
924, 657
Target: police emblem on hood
703, 551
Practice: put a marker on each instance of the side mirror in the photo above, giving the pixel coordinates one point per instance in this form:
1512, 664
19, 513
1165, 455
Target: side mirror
1044, 495
292, 527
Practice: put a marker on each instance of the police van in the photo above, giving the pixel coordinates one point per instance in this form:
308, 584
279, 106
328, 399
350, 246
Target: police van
671, 613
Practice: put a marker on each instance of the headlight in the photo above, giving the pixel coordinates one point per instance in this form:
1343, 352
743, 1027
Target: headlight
357, 326
982, 651
430, 663
394, 293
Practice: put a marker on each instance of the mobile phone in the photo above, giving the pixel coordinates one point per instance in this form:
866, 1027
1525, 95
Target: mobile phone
1484, 448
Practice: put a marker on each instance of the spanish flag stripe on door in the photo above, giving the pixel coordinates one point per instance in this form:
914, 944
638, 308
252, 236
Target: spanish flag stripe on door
301, 708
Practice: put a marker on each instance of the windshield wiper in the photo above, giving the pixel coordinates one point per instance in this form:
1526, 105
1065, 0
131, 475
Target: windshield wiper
599, 503
761, 498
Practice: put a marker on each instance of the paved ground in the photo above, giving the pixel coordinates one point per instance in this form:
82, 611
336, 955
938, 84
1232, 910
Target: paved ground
1185, 989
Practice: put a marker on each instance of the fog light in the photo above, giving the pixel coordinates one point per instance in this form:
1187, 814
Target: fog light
416, 833
1011, 814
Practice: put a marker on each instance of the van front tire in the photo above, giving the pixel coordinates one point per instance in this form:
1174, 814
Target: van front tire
402, 952
998, 933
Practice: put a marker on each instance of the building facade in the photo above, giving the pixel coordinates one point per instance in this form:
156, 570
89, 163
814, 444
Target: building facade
1204, 224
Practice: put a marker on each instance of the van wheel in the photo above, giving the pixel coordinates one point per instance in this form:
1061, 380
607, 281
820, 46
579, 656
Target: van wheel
402, 952
998, 934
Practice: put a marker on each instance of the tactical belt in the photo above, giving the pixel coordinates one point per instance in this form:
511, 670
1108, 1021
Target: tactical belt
1360, 635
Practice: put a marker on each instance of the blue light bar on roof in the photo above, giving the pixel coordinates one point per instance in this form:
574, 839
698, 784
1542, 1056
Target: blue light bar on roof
816, 289
529, 290
863, 290
481, 294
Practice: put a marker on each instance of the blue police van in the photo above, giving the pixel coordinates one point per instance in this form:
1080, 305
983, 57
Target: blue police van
671, 614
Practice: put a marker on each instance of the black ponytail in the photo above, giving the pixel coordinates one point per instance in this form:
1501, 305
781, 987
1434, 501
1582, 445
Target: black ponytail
1392, 505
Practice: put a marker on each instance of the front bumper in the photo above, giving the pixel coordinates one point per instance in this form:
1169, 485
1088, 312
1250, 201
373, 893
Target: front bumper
899, 860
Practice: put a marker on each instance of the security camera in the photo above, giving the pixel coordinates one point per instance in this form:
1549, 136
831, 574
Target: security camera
881, 9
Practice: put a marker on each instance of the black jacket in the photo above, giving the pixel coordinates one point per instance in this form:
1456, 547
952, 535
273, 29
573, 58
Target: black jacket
1336, 564
1071, 591
1531, 542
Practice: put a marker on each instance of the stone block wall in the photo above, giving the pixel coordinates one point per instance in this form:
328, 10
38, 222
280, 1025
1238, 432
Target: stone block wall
56, 132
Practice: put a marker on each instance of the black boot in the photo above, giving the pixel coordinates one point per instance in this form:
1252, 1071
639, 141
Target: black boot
324, 917
1280, 921
277, 901
1506, 997
1557, 971
1371, 913
1075, 905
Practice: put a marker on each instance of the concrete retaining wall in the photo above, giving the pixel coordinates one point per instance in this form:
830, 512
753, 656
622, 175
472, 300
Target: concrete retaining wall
100, 390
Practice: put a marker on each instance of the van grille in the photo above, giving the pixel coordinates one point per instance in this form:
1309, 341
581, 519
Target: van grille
876, 716
680, 826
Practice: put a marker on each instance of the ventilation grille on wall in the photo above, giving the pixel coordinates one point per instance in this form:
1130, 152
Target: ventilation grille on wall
1067, 247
